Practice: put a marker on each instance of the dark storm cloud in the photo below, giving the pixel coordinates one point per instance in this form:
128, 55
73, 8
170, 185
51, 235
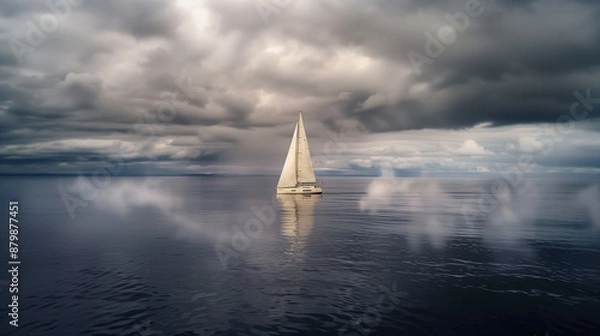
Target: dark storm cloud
503, 68
530, 49
232, 80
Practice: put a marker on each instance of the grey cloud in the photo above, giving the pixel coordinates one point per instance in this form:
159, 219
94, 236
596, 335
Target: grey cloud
239, 81
141, 19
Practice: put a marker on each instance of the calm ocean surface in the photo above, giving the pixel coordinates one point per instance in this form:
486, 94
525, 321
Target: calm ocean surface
371, 256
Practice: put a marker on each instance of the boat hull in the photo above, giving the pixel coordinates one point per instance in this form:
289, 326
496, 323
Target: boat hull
307, 189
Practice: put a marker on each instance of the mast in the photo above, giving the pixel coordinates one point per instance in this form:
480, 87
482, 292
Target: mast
298, 147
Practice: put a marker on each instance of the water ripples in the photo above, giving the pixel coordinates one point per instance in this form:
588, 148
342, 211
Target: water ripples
322, 268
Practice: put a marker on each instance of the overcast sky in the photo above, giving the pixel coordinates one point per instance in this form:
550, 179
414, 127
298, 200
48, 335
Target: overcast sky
214, 86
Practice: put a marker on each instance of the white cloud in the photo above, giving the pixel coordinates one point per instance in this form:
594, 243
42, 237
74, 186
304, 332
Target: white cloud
471, 148
529, 144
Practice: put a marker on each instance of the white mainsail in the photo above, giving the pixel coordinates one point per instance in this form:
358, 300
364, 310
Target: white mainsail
306, 173
298, 169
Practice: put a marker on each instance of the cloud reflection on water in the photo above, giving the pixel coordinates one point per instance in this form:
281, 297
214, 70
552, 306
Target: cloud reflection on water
126, 197
590, 199
426, 205
429, 213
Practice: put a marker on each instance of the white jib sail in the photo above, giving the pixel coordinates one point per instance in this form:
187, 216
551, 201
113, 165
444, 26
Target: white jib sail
288, 176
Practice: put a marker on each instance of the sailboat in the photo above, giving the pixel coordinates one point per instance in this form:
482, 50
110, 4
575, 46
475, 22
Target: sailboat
298, 175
